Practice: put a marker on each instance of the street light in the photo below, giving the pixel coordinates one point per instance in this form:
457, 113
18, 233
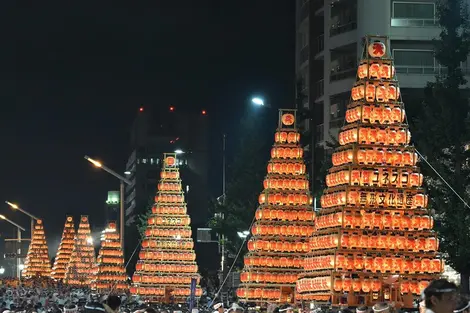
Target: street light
17, 207
257, 101
121, 201
18, 237
179, 151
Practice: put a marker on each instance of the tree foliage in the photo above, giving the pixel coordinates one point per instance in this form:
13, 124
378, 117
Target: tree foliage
442, 133
143, 219
244, 180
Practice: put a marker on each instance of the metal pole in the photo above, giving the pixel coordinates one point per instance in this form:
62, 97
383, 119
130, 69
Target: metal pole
32, 228
121, 213
18, 262
222, 259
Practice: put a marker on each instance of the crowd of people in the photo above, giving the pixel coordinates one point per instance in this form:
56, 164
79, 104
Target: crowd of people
44, 295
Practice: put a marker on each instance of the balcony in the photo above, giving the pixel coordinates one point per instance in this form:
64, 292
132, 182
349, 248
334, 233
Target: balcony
342, 28
418, 76
304, 55
304, 11
414, 22
344, 74
320, 133
319, 44
319, 89
336, 122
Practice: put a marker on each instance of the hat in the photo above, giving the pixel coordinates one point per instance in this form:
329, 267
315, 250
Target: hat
218, 305
235, 307
71, 309
380, 307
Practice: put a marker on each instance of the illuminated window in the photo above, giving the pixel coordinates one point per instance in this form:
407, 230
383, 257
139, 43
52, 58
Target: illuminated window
144, 161
187, 188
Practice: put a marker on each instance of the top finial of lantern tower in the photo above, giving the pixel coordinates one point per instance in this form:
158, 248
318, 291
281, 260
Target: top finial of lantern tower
287, 119
376, 47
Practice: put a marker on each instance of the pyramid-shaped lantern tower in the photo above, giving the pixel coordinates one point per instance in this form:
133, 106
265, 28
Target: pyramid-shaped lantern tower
80, 268
37, 260
64, 252
373, 240
284, 222
110, 272
167, 262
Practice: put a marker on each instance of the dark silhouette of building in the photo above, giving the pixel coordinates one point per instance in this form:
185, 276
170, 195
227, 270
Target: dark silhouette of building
153, 133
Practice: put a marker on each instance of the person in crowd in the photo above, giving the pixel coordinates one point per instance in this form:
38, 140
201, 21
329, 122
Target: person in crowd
440, 296
219, 308
71, 308
362, 309
381, 307
463, 305
112, 304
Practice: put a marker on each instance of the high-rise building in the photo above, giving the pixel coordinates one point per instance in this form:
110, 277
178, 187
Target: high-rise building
329, 40
111, 212
155, 132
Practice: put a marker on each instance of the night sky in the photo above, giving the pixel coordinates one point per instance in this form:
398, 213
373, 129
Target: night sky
74, 75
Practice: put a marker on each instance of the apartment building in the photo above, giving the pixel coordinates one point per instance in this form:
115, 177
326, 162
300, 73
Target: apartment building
329, 44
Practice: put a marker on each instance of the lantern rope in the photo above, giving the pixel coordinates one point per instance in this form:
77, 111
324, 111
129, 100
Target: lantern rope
442, 178
233, 264
434, 169
125, 267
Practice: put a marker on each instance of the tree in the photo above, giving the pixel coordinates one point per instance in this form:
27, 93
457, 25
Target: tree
442, 128
245, 176
144, 217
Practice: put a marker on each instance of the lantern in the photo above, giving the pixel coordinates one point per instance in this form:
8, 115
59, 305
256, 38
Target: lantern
376, 49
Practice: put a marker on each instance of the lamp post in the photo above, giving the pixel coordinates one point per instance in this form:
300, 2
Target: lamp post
122, 180
18, 238
17, 207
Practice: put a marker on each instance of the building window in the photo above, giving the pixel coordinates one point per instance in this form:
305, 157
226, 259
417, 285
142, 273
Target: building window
144, 161
414, 61
187, 188
408, 13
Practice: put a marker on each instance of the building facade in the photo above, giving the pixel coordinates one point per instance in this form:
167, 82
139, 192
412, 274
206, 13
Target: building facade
329, 44
111, 212
153, 133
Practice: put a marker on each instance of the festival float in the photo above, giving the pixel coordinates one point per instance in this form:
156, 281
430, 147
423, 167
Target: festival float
37, 260
80, 269
64, 251
284, 222
373, 240
110, 272
167, 262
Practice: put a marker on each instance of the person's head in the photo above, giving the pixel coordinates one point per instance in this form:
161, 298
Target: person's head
463, 305
381, 307
113, 302
70, 308
219, 307
362, 309
440, 296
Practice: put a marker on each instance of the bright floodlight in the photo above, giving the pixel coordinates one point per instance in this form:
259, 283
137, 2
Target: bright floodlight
94, 162
257, 101
2, 270
179, 151
127, 173
2, 217
21, 266
14, 206
89, 240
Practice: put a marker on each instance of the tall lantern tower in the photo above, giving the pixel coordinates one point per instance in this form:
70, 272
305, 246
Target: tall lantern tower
64, 252
37, 260
110, 272
284, 222
81, 267
373, 240
167, 270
